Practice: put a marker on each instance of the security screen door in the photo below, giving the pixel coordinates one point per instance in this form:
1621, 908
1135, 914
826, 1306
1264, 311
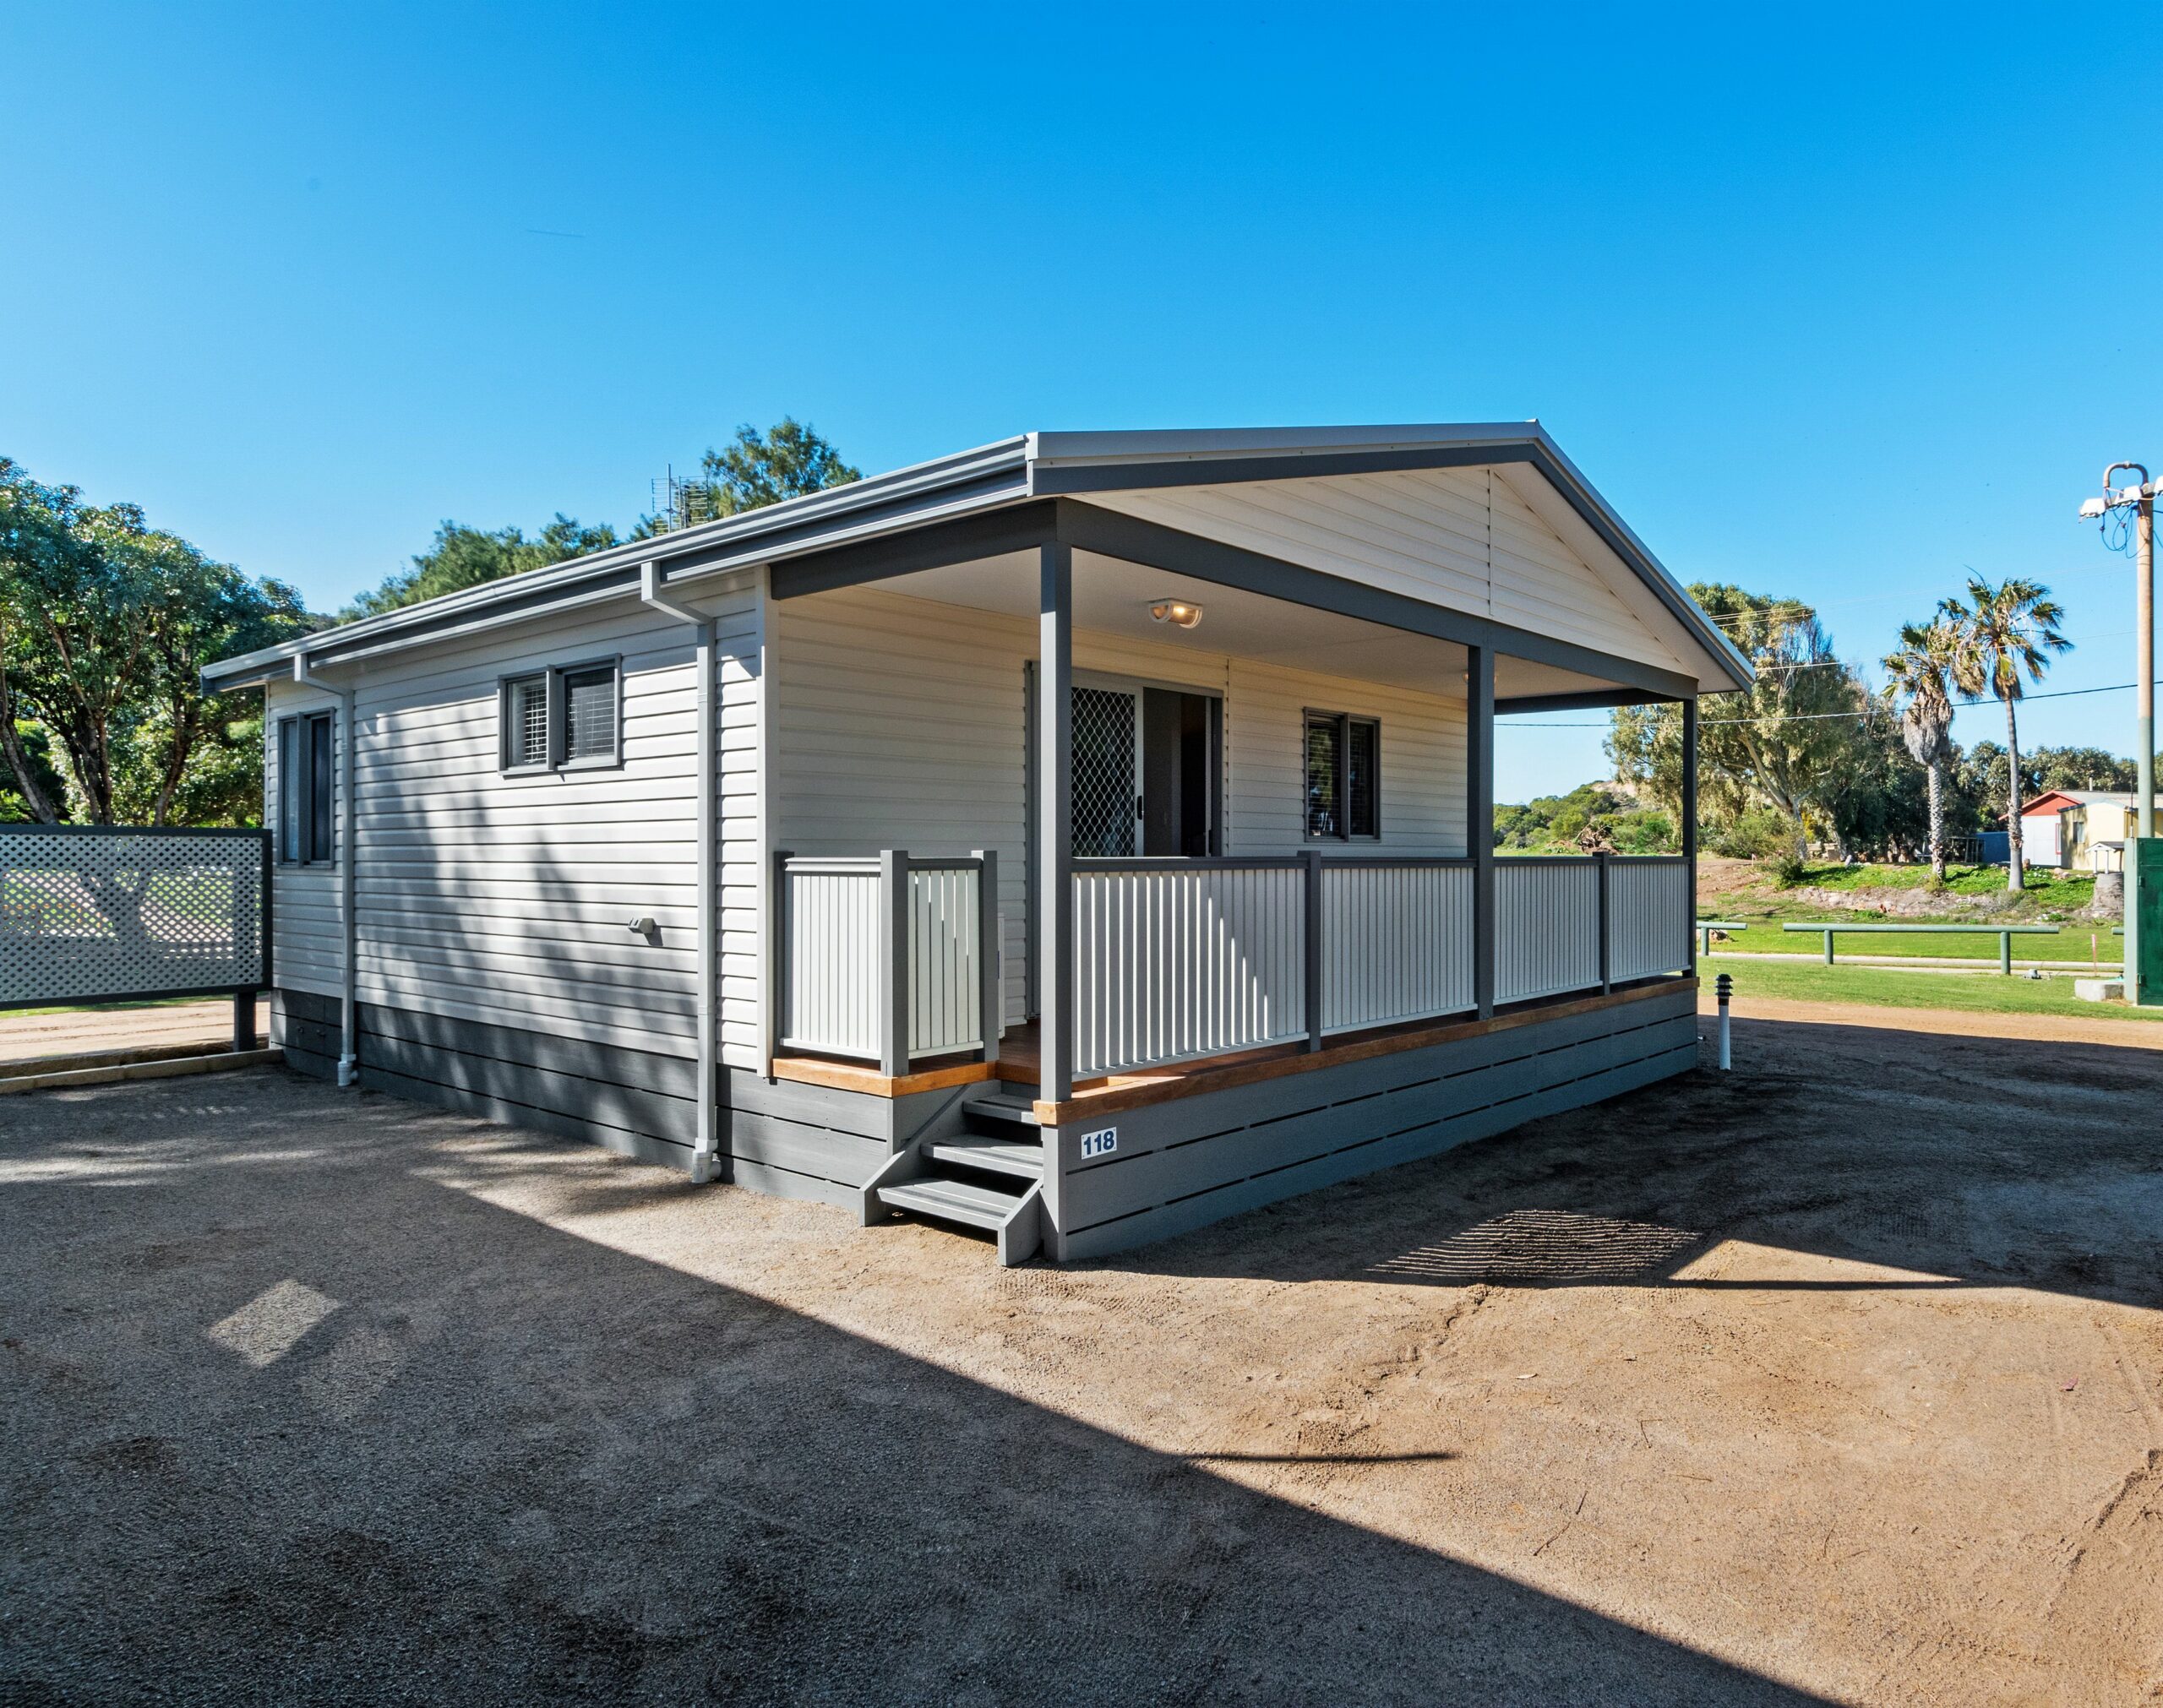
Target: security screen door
1107, 736
1144, 771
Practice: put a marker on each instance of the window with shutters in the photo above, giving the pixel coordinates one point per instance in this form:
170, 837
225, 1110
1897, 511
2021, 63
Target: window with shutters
565, 718
1343, 777
525, 722
307, 785
589, 700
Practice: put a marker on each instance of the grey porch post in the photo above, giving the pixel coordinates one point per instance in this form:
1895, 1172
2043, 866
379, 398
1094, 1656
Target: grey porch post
1480, 819
1055, 825
1690, 820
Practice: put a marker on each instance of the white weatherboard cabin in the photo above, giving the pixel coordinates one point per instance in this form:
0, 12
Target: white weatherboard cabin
1068, 838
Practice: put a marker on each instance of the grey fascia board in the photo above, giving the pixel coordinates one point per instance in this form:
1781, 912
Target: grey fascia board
1145, 445
987, 475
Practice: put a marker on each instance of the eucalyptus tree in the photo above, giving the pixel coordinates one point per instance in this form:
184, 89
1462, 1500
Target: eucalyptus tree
787, 461
459, 557
2007, 635
1784, 743
1920, 676
104, 626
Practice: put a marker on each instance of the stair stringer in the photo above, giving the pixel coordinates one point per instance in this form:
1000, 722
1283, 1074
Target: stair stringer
1022, 1235
903, 1165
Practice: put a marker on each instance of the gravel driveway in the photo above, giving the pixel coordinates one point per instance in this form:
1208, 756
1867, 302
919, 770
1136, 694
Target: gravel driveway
1835, 1377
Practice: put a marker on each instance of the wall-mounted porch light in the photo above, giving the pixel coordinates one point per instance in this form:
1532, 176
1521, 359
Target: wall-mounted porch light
1176, 611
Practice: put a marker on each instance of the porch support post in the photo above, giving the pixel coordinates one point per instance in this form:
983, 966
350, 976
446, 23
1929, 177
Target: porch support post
1606, 869
991, 999
1311, 996
894, 962
1690, 824
1054, 924
1480, 819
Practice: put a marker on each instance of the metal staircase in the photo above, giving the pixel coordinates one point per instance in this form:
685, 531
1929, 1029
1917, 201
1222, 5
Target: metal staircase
988, 1177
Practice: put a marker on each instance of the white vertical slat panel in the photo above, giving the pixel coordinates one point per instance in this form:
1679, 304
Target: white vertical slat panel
1174, 964
829, 1000
1396, 944
945, 980
1648, 919
1546, 928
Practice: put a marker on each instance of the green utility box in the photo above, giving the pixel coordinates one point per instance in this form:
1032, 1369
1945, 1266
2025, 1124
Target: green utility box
2145, 920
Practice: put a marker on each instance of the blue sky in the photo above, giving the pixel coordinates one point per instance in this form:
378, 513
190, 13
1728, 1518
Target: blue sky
1837, 303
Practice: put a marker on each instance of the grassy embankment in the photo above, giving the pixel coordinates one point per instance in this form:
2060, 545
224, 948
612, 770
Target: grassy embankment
1746, 893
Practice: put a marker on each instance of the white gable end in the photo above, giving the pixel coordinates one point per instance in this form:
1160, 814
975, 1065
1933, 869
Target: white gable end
1460, 538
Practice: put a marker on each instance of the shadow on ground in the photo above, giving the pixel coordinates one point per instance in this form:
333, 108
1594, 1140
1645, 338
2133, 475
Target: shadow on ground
289, 1421
1956, 1161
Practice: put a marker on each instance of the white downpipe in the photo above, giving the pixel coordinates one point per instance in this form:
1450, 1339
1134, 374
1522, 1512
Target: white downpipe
704, 1143
349, 817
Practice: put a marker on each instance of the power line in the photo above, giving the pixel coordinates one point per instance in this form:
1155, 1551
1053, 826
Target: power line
1813, 717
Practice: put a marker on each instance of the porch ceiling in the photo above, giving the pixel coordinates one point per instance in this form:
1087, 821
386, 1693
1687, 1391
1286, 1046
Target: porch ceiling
1113, 597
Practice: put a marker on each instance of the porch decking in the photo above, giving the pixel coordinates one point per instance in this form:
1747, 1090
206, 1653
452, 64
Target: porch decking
1018, 1063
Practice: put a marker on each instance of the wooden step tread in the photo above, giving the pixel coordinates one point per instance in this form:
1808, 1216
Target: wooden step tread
1022, 1157
951, 1200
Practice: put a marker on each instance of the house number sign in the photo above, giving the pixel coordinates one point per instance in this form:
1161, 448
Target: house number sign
1101, 1143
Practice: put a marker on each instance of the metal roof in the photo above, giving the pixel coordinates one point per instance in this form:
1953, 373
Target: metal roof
1008, 471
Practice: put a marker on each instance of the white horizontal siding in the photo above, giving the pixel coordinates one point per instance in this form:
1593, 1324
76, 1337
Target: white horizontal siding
308, 941
1460, 538
740, 862
505, 900
900, 723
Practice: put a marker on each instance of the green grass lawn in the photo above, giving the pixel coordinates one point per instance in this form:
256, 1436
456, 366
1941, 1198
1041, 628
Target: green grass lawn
1889, 987
2077, 944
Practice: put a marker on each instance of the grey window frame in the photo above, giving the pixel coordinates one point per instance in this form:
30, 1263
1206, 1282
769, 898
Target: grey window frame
558, 711
302, 789
1345, 723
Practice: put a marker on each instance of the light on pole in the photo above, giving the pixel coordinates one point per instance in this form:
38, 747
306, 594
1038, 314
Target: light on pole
2142, 500
2144, 864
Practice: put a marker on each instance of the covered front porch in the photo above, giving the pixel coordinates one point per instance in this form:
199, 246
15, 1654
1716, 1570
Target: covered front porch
1210, 821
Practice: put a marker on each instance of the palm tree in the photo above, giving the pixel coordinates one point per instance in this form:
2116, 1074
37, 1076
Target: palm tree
1921, 673
2005, 630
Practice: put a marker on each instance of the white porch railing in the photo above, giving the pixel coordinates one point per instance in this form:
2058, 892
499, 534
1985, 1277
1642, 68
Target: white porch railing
1546, 928
1175, 960
1648, 906
1396, 941
882, 958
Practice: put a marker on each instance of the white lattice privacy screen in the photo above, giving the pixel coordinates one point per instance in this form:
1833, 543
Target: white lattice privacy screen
94, 914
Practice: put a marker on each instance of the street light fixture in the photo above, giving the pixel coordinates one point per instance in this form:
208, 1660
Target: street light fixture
2140, 498
2144, 865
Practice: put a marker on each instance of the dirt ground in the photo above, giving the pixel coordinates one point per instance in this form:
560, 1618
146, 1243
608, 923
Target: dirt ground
1836, 1377
89, 1031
